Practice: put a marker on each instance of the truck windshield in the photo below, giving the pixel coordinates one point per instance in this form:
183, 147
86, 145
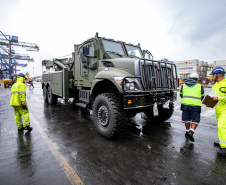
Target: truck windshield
134, 51
114, 47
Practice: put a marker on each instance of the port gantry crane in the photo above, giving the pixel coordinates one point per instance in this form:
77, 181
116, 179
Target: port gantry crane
8, 57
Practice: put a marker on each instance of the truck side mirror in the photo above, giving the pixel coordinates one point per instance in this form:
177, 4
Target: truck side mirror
88, 50
85, 50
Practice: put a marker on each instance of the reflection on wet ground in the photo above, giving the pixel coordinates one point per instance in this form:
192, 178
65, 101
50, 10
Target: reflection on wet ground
24, 154
147, 153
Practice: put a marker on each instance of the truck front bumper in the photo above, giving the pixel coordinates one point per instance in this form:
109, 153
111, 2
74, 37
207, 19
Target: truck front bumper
137, 101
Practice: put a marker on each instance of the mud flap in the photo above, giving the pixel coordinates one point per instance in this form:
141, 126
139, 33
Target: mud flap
166, 105
155, 109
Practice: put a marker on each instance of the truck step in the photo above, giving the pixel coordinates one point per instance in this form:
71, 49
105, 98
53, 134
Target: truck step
84, 95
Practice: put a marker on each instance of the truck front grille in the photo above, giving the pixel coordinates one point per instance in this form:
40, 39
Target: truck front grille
157, 75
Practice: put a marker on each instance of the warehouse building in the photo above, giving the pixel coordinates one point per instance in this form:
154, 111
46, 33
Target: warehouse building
186, 67
221, 63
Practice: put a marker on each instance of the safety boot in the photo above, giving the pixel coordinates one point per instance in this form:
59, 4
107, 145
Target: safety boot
21, 130
186, 134
28, 128
222, 152
190, 136
216, 144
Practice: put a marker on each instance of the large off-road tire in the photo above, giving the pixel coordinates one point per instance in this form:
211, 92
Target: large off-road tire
52, 98
109, 118
164, 114
45, 93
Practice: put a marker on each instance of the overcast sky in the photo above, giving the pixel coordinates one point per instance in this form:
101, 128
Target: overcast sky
172, 29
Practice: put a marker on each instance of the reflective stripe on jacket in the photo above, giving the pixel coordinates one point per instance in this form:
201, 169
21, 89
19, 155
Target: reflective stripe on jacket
217, 87
192, 95
18, 91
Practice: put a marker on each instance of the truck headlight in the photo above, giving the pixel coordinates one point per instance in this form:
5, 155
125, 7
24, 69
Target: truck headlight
130, 84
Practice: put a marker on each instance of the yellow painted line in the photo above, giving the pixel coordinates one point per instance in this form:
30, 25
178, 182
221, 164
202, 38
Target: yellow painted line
68, 170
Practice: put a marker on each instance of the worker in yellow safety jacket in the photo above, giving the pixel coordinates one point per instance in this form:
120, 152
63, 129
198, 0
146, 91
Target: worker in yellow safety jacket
18, 102
219, 89
192, 93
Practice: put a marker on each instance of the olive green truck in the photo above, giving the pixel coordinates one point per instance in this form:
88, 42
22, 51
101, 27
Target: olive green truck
114, 79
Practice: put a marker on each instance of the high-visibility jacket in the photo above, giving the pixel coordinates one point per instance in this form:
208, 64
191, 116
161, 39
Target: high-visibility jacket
192, 95
219, 88
18, 91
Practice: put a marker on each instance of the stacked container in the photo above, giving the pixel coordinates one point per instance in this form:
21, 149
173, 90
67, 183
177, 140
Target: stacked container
186, 67
221, 63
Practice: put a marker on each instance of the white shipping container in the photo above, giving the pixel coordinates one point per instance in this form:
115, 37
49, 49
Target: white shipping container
201, 63
186, 72
203, 68
187, 63
220, 62
187, 68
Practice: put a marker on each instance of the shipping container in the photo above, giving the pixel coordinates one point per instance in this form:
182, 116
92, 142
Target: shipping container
187, 68
220, 62
201, 63
187, 63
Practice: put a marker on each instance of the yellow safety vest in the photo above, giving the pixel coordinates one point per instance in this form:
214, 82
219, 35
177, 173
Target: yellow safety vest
191, 95
18, 91
217, 89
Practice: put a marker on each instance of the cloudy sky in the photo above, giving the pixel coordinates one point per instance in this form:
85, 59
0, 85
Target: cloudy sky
172, 29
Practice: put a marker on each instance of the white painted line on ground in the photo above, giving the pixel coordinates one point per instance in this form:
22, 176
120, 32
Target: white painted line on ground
68, 170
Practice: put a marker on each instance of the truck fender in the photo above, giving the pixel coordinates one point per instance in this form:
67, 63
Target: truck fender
109, 74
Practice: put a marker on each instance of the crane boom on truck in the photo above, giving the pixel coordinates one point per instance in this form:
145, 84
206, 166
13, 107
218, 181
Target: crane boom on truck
115, 79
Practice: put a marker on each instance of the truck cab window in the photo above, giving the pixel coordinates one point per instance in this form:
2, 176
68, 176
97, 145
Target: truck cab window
112, 46
134, 51
147, 56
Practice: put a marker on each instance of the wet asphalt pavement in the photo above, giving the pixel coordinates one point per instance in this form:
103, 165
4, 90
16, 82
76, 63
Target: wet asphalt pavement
65, 148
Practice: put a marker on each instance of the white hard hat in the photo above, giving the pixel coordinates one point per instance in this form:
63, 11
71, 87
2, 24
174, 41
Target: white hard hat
194, 75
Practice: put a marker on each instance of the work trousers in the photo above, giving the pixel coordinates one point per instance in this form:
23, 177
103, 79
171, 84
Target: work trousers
18, 112
221, 127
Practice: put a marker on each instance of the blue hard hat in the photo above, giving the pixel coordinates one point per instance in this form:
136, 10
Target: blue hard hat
218, 70
21, 74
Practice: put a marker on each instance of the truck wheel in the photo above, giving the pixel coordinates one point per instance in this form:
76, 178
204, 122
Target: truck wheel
45, 94
164, 114
108, 116
52, 98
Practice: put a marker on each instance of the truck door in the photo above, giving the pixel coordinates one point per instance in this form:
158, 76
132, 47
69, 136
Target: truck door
89, 64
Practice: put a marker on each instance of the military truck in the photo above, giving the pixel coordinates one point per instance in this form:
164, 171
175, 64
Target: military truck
114, 79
